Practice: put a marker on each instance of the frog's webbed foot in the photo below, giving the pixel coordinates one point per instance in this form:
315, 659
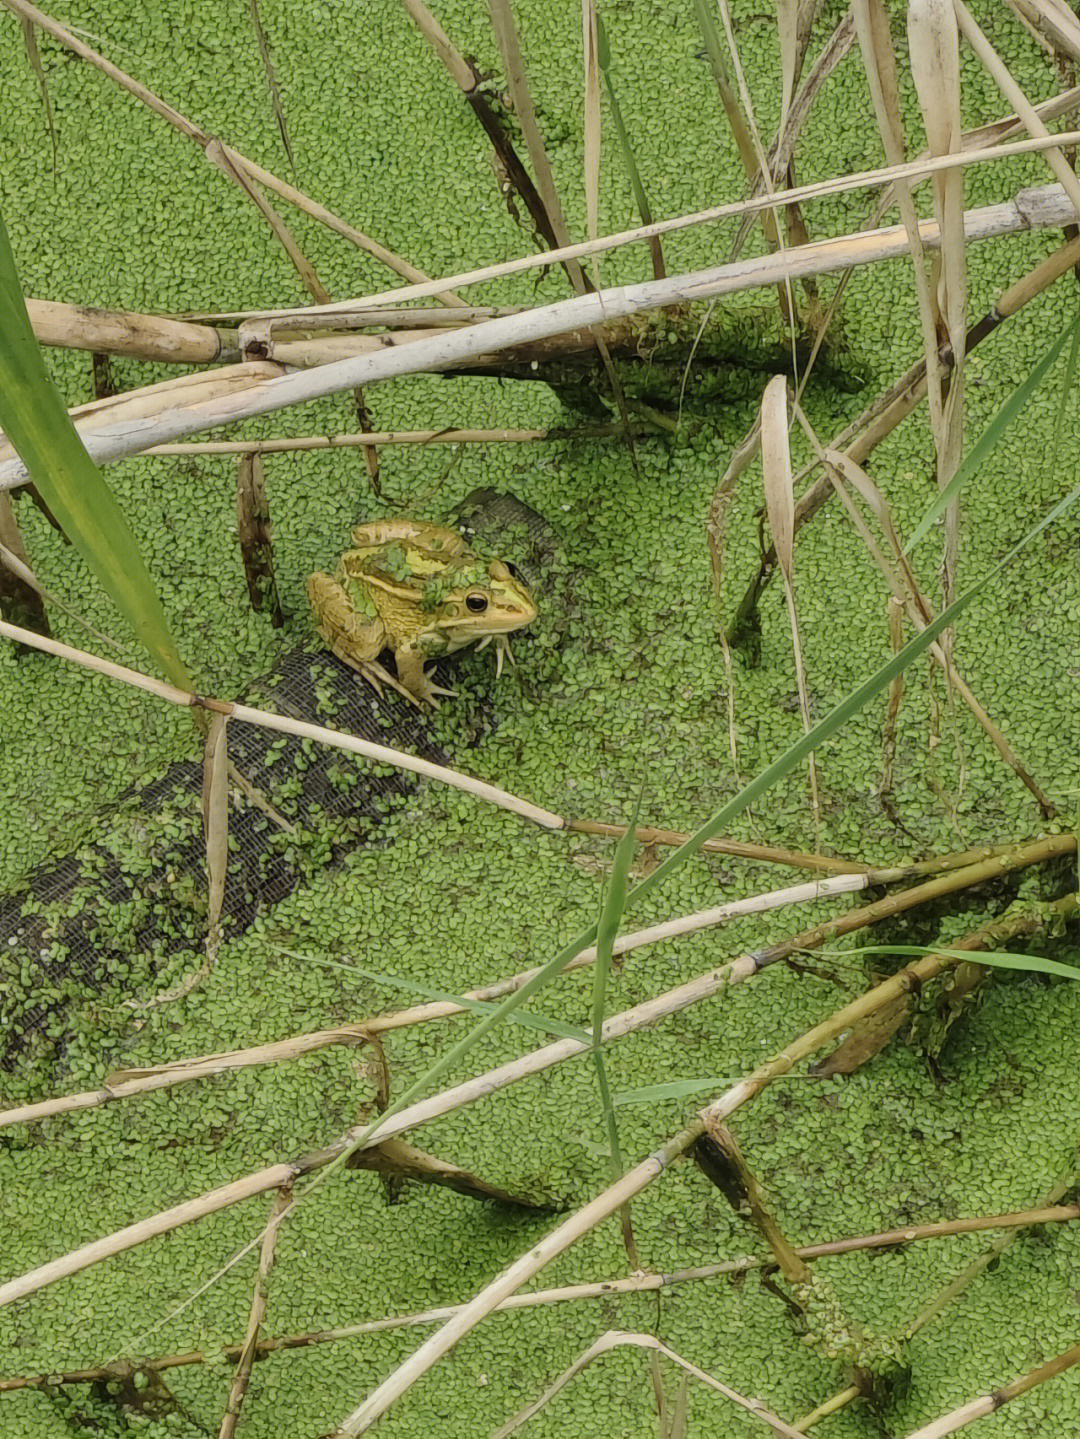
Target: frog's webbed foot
422, 690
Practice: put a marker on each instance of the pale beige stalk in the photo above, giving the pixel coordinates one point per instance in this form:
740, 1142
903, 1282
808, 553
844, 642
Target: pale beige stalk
913, 170
780, 507
615, 1339
1030, 210
193, 132
127, 1082
935, 66
379, 754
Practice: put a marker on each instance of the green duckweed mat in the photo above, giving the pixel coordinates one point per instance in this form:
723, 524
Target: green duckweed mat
621, 680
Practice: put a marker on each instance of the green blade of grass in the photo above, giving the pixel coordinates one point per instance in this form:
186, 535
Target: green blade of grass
629, 160
35, 420
683, 1088
721, 820
978, 453
995, 958
607, 929
541, 1022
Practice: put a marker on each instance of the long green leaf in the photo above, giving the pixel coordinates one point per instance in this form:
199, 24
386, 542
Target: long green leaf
995, 958
607, 929
35, 420
721, 820
544, 1023
978, 453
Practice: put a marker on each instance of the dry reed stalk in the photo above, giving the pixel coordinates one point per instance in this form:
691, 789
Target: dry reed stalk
385, 437
254, 530
841, 468
867, 179
628, 1021
11, 561
863, 434
271, 81
643, 1283
768, 854
193, 132
517, 80
780, 508
1053, 22
879, 62
242, 1377
615, 1339
121, 332
934, 53
543, 204
379, 754
636, 1180
1031, 209
783, 148
123, 1083
21, 599
1003, 79
229, 164
126, 1082
136, 407
991, 1403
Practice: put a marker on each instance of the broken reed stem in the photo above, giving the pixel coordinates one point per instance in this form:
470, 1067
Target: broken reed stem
127, 1082
378, 754
967, 1276
1031, 209
890, 409
991, 1403
615, 1339
768, 854
193, 132
636, 1180
920, 169
246, 1357
643, 1283
388, 437
639, 1017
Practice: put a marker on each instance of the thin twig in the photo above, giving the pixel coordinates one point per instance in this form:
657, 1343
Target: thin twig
201, 138
615, 1339
379, 754
644, 1283
919, 169
246, 1358
629, 1021
124, 1083
1032, 209
540, 1254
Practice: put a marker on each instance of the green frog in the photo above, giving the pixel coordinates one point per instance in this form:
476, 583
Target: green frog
416, 589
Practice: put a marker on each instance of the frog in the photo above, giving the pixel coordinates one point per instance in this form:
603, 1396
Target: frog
417, 589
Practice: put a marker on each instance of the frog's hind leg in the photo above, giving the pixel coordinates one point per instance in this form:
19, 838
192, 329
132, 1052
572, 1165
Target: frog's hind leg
356, 639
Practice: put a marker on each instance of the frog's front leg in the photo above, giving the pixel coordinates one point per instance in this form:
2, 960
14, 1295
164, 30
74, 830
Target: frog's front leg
410, 663
355, 638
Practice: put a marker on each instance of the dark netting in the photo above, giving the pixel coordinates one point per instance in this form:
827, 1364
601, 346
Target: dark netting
91, 927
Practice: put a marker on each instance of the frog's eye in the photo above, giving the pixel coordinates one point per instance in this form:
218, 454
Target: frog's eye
476, 601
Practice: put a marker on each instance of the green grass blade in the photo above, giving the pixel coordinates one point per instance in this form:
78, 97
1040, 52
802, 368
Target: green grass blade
607, 929
35, 420
603, 54
982, 447
541, 1022
684, 1088
791, 759
995, 958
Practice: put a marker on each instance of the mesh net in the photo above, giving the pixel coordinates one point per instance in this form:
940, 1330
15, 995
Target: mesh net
107, 920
